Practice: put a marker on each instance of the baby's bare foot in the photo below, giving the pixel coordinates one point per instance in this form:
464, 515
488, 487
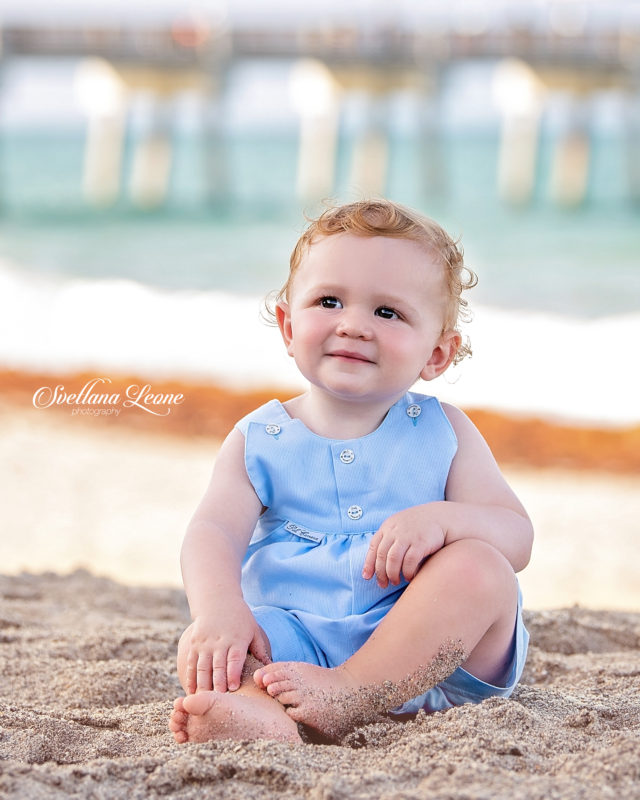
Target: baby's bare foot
334, 701
212, 715
328, 700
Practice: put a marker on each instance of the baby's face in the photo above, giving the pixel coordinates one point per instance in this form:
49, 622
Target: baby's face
365, 316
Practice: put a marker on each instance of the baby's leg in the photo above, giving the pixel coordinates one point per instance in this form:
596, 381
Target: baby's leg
460, 608
248, 713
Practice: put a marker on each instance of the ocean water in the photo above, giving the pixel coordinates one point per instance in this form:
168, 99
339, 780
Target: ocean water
177, 292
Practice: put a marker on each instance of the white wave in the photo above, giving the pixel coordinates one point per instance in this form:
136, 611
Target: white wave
556, 367
529, 363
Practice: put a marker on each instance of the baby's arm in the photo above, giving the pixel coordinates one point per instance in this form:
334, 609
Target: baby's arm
479, 504
214, 647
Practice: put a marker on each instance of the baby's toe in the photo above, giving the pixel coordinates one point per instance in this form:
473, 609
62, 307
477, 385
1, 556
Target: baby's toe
177, 721
291, 697
278, 687
295, 713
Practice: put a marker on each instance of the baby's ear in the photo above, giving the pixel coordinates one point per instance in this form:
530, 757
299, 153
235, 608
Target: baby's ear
283, 317
442, 356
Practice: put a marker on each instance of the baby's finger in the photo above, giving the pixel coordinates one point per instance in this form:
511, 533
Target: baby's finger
394, 562
192, 666
203, 672
220, 671
235, 662
369, 567
381, 564
260, 647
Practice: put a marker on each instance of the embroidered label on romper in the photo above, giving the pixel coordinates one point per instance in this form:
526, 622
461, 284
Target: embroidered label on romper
303, 533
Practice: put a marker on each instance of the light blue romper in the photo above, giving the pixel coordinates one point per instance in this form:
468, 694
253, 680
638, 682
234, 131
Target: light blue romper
324, 500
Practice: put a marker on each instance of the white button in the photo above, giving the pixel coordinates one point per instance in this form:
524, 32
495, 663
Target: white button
272, 430
347, 456
414, 411
354, 512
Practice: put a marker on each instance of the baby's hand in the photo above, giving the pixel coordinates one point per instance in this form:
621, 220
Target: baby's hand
401, 544
217, 646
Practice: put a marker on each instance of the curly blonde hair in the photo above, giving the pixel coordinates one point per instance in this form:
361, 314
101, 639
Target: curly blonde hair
385, 218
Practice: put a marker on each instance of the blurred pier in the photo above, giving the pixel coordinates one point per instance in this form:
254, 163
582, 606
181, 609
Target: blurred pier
612, 45
575, 50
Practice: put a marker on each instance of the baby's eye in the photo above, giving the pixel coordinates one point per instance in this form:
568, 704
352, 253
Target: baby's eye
330, 302
386, 313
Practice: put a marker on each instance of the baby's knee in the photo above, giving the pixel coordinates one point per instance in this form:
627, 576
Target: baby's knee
480, 568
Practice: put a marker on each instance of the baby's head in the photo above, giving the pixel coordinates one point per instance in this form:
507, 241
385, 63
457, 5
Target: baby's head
384, 218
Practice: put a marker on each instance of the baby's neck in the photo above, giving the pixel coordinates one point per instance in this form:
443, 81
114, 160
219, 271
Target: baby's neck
334, 418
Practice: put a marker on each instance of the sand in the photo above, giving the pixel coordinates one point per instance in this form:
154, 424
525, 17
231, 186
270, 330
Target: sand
88, 678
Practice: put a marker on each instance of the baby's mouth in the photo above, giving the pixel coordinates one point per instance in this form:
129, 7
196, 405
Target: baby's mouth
350, 355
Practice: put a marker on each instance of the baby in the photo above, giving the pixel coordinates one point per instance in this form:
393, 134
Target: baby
356, 549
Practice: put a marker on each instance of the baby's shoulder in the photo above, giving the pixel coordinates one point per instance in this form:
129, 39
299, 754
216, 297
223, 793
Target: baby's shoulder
458, 420
464, 428
453, 413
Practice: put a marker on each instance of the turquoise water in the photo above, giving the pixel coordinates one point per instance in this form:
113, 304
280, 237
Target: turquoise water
580, 263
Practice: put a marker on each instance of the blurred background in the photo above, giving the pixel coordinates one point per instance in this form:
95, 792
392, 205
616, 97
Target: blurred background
157, 161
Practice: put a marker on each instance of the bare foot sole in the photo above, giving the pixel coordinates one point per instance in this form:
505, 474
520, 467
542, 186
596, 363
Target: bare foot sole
205, 716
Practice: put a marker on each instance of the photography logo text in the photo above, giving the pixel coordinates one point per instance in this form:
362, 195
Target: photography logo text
95, 399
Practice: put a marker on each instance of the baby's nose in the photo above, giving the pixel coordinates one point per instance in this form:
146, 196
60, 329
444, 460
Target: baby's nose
354, 323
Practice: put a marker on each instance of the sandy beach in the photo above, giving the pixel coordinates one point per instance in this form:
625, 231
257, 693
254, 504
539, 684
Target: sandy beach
88, 677
88, 672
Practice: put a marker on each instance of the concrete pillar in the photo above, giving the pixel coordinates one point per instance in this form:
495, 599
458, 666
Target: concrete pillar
315, 97
103, 158
215, 151
370, 163
151, 163
517, 161
431, 154
518, 94
570, 161
103, 96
